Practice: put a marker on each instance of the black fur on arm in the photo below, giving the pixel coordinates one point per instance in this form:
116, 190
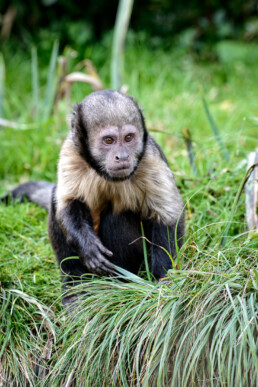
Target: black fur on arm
165, 236
77, 225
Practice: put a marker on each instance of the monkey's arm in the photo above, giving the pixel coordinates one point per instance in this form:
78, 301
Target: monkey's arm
165, 207
77, 225
165, 237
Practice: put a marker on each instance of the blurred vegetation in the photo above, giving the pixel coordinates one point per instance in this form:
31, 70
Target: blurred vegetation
196, 25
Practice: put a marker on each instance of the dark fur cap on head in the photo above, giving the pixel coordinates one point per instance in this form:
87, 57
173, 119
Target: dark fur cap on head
110, 107
102, 109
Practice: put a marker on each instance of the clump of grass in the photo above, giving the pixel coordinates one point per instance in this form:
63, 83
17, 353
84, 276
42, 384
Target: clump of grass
195, 328
26, 332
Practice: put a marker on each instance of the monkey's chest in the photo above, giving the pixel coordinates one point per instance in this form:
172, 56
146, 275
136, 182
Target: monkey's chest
125, 196
122, 197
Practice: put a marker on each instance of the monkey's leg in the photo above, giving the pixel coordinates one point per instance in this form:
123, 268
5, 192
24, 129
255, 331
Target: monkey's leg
165, 236
120, 233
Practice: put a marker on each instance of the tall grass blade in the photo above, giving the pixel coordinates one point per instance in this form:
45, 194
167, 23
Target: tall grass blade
121, 25
215, 129
145, 254
35, 82
51, 83
2, 80
189, 145
131, 277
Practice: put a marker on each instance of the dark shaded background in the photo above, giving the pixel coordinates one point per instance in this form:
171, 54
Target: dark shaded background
78, 22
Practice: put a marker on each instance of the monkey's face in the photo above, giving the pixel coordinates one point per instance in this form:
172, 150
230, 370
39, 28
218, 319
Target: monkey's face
109, 132
117, 151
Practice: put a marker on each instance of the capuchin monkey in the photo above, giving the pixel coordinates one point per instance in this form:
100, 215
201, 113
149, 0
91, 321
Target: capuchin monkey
112, 176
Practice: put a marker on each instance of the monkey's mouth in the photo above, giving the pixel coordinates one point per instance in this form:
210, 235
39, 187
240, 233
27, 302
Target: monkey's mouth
124, 170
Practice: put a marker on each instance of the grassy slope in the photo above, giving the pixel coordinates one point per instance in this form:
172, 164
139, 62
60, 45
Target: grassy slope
166, 84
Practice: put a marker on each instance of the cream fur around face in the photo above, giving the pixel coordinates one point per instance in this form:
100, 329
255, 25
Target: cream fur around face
151, 191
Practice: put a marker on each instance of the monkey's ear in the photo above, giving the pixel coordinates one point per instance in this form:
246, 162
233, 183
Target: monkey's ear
141, 108
74, 117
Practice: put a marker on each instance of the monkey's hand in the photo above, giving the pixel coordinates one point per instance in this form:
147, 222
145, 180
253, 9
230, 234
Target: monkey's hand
76, 223
93, 254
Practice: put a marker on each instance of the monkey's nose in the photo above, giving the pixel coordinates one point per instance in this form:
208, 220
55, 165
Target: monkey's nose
122, 156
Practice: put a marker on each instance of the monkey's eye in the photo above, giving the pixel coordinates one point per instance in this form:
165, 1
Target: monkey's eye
128, 138
108, 140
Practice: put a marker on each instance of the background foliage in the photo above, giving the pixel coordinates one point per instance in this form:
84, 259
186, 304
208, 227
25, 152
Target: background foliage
195, 24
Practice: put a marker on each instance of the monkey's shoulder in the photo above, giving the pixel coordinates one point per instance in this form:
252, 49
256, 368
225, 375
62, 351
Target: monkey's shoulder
163, 201
153, 147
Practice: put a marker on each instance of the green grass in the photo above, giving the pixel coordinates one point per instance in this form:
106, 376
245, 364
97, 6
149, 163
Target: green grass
197, 327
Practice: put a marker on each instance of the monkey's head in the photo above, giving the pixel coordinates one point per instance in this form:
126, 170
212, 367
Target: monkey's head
109, 132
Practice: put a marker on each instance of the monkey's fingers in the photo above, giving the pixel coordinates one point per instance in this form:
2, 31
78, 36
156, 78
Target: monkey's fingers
105, 251
100, 266
106, 265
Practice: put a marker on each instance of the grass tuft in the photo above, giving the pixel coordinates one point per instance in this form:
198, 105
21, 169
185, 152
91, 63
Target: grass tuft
177, 333
25, 333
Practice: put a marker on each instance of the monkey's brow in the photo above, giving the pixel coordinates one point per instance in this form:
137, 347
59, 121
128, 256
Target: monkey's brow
109, 131
129, 128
